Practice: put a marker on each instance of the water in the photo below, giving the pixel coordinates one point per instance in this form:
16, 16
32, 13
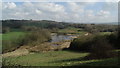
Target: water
59, 38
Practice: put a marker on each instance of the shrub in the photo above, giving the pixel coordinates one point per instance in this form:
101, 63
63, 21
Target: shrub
29, 28
83, 43
101, 48
114, 40
36, 37
97, 45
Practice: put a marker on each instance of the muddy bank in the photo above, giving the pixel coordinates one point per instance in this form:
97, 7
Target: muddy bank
18, 52
58, 42
45, 47
50, 47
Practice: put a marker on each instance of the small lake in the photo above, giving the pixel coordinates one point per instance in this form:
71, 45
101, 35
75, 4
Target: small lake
60, 38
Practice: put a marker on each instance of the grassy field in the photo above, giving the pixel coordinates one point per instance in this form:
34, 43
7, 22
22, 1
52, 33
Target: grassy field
105, 62
105, 33
72, 30
59, 58
10, 40
53, 58
12, 35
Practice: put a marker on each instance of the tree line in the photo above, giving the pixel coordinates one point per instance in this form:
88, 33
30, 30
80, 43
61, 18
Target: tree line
47, 24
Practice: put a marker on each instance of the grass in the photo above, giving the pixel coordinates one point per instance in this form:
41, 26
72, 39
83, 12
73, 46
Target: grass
60, 58
53, 58
0, 43
72, 30
0, 36
10, 40
104, 62
12, 35
105, 33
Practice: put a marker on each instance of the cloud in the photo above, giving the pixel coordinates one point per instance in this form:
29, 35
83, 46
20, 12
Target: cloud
70, 12
103, 13
9, 5
51, 7
61, 0
38, 11
74, 7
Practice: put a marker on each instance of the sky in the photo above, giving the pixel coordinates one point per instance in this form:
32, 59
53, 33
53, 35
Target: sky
78, 12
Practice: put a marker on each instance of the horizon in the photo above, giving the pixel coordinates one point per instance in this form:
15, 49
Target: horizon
109, 23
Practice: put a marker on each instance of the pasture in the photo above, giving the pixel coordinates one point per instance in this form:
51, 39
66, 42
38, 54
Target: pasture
10, 40
12, 35
72, 30
58, 58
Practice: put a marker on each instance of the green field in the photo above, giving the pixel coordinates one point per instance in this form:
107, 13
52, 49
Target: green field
105, 33
105, 62
12, 35
58, 58
10, 40
72, 30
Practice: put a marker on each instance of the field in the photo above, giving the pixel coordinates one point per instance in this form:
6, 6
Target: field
54, 58
106, 33
14, 33
72, 31
9, 40
11, 35
59, 58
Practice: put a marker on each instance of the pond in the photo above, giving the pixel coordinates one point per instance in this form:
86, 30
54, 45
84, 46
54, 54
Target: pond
60, 38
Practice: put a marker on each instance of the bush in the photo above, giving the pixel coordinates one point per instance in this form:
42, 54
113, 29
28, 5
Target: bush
97, 45
29, 28
101, 48
114, 40
83, 43
34, 38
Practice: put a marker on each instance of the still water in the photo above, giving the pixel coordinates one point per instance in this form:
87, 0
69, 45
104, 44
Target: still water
59, 38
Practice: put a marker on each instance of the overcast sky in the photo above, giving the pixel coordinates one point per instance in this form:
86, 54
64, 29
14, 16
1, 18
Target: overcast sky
97, 12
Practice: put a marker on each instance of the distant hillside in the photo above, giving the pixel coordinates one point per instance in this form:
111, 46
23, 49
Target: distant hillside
48, 24
112, 23
41, 23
